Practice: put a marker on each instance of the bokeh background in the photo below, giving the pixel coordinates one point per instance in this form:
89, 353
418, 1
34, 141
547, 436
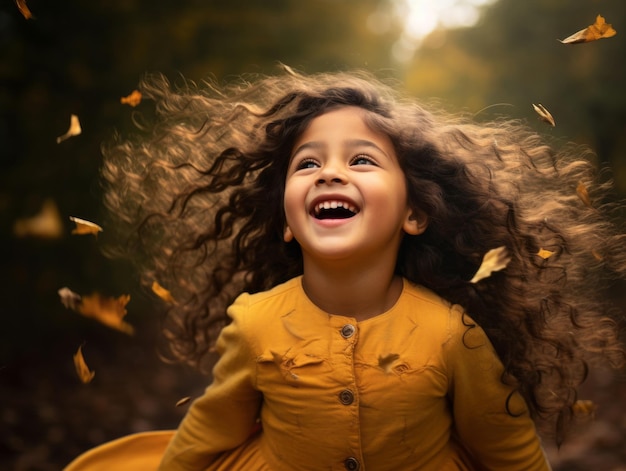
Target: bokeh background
487, 57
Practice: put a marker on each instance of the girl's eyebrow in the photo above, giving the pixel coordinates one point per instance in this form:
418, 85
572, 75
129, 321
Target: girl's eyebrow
351, 143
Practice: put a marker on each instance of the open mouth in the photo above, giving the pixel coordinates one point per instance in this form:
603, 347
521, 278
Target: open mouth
334, 209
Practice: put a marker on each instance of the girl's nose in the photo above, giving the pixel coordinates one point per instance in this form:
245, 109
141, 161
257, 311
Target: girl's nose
331, 174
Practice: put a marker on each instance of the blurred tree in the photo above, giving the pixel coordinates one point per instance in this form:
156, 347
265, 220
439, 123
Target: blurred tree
513, 58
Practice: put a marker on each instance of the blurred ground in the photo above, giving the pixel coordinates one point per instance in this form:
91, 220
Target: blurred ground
47, 416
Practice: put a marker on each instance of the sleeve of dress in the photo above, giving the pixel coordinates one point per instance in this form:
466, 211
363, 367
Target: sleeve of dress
495, 438
225, 415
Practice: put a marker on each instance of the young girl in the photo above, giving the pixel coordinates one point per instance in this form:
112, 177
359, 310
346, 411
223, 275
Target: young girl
354, 222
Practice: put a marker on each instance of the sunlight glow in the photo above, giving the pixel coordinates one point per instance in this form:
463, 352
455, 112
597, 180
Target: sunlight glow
420, 18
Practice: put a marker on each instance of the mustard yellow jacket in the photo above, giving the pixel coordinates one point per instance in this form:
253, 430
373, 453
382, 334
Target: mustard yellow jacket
415, 388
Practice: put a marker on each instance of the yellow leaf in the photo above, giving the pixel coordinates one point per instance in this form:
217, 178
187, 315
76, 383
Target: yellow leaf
494, 260
545, 254
162, 293
69, 299
544, 114
183, 401
583, 194
74, 129
82, 369
85, 227
46, 224
107, 311
23, 8
599, 30
133, 99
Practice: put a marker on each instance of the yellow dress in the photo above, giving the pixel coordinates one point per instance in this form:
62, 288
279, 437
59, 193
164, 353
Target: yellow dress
414, 388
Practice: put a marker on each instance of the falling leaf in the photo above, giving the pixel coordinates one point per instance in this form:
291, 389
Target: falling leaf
584, 407
494, 260
545, 254
85, 227
386, 361
82, 369
69, 299
74, 129
23, 8
133, 99
599, 30
583, 194
544, 114
162, 293
183, 401
45, 225
106, 310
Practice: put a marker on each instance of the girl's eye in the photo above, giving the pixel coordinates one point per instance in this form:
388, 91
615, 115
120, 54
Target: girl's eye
307, 163
362, 160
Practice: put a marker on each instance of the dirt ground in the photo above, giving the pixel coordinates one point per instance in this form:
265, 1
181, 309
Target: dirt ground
47, 416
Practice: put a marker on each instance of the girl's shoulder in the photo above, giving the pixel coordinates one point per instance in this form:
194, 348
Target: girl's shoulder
429, 310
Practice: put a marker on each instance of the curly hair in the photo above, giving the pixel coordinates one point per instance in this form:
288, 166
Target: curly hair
197, 193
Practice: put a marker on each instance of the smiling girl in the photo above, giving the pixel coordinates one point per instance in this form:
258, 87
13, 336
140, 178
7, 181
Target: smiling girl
354, 221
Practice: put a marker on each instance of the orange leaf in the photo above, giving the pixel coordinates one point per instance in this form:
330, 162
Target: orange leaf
85, 227
494, 260
183, 401
162, 293
583, 194
23, 8
133, 99
545, 254
599, 30
82, 369
45, 225
74, 129
107, 311
584, 407
544, 114
597, 255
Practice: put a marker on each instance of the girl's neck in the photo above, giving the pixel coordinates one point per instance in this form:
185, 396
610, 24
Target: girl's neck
359, 293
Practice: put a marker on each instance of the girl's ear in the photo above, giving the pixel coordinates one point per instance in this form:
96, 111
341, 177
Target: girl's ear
287, 235
415, 223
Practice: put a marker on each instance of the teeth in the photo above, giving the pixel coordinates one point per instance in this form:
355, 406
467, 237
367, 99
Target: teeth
334, 204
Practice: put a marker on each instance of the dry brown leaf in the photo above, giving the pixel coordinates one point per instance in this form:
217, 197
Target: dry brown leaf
69, 299
107, 311
46, 224
597, 255
74, 129
494, 260
599, 30
544, 114
583, 194
183, 401
85, 227
82, 369
24, 10
545, 254
133, 99
162, 293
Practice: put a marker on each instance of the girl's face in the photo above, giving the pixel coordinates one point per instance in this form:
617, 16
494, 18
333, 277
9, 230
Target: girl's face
345, 194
